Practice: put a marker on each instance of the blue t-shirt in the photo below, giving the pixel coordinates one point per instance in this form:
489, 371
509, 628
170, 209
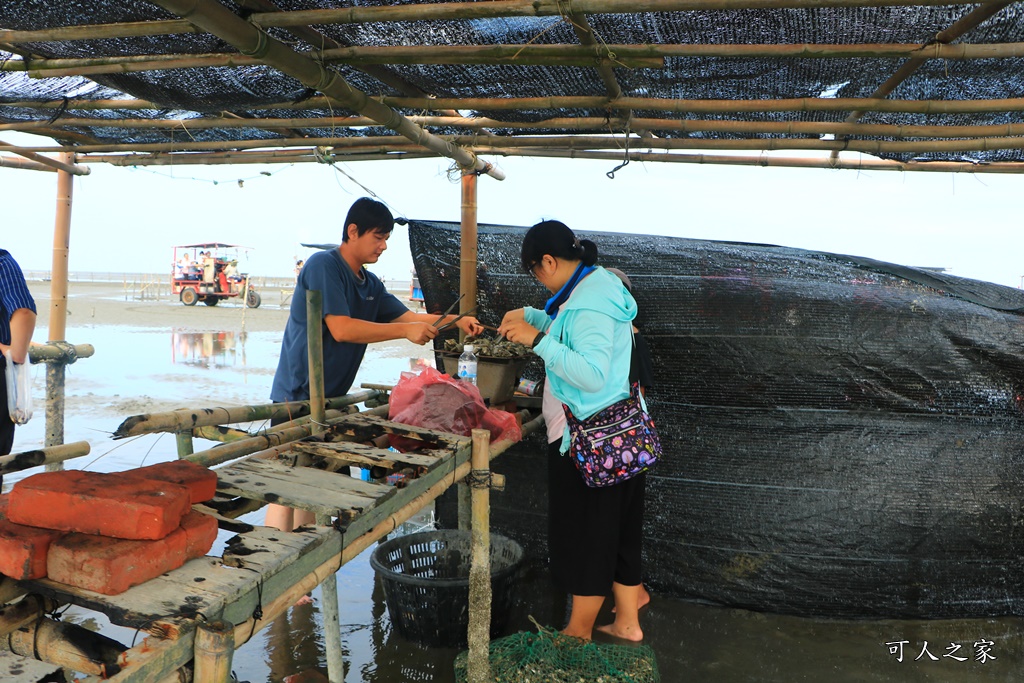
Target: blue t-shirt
343, 294
14, 294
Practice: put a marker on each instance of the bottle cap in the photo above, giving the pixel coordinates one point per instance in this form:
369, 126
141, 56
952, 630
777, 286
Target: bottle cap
467, 347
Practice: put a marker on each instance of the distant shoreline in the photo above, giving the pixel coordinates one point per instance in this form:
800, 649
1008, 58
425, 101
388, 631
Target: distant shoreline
262, 281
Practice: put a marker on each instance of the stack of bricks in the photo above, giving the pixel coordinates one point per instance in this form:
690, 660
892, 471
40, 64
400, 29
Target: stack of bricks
106, 532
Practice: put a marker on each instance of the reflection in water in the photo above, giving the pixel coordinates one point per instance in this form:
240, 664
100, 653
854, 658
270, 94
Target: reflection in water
207, 349
294, 642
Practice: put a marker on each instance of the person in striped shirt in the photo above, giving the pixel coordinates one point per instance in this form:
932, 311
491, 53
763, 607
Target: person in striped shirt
17, 322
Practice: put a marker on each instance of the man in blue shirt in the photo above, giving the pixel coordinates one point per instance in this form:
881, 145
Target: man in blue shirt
357, 311
17, 321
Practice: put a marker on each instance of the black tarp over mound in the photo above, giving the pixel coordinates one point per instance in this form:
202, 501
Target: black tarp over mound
843, 437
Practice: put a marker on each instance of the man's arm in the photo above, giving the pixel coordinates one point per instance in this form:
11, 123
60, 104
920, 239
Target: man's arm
416, 327
23, 323
346, 329
470, 325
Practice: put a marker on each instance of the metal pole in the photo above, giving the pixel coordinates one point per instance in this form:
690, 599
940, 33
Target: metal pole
479, 662
315, 344
59, 307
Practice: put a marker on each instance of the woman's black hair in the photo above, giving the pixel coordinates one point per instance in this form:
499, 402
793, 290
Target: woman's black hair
554, 238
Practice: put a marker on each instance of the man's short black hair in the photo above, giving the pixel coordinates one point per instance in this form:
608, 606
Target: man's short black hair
368, 214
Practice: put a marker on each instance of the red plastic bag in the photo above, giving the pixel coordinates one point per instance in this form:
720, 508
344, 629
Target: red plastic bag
435, 400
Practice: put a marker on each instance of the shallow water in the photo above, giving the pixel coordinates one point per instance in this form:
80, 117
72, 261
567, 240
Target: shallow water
142, 369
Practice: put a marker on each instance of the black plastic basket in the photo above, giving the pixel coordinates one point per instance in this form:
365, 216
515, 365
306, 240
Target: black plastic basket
426, 584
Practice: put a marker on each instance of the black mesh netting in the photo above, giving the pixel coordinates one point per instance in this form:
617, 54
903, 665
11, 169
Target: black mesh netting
247, 91
550, 657
843, 436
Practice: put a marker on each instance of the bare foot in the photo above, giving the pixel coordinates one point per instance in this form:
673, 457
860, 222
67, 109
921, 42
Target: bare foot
573, 634
642, 601
632, 634
304, 600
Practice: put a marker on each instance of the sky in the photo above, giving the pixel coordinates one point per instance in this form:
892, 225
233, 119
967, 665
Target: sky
128, 219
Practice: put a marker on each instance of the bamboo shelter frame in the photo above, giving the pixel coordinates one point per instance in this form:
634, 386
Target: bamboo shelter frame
422, 121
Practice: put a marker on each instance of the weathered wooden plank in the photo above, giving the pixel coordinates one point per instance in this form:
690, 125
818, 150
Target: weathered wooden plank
360, 454
298, 487
197, 586
276, 573
208, 584
369, 426
349, 484
17, 669
412, 489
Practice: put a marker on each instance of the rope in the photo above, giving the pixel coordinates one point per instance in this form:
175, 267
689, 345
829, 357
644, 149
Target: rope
479, 479
257, 612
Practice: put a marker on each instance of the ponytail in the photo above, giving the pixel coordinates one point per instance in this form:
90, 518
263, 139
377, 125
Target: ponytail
554, 238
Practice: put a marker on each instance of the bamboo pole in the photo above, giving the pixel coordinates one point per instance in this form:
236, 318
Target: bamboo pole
68, 166
588, 54
468, 290
55, 372
270, 611
859, 164
183, 443
251, 40
315, 357
963, 25
376, 56
273, 441
332, 621
314, 37
224, 434
541, 8
235, 158
236, 449
10, 590
442, 11
479, 630
17, 462
592, 123
68, 645
863, 164
614, 142
592, 102
187, 419
56, 164
63, 353
24, 164
25, 611
214, 647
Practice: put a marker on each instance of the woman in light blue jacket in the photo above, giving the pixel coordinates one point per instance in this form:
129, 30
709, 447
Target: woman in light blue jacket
584, 335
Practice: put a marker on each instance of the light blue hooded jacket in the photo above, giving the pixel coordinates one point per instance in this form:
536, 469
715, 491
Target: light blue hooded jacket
588, 345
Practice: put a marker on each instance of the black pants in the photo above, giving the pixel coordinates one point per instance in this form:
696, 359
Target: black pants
595, 535
6, 426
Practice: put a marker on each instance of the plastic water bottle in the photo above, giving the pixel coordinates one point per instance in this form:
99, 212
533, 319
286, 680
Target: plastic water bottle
467, 364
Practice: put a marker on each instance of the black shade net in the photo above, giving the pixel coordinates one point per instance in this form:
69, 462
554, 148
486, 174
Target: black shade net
843, 436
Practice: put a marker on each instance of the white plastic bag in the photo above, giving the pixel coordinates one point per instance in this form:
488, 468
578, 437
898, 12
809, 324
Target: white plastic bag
19, 390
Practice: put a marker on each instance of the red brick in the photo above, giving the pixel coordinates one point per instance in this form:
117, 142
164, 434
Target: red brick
200, 533
96, 503
113, 565
201, 481
23, 549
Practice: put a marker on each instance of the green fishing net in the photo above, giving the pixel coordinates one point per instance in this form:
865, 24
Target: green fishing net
549, 657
